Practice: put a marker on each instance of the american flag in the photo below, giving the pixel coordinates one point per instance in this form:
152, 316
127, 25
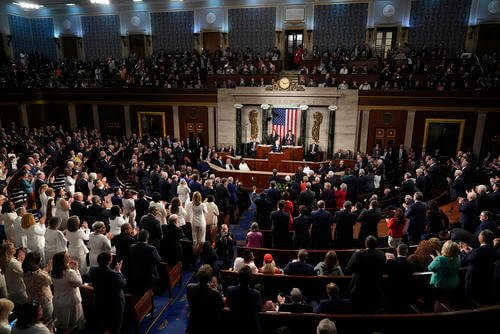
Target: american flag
285, 119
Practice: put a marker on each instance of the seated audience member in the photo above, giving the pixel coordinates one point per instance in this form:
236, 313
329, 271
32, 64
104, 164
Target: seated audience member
245, 304
326, 326
366, 268
329, 266
480, 266
205, 304
144, 261
254, 237
334, 304
300, 266
269, 266
108, 293
395, 228
421, 258
229, 164
245, 260
297, 305
400, 271
444, 267
6, 307
30, 321
344, 221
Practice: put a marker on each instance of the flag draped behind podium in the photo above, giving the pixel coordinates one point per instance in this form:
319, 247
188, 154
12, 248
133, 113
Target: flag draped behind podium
285, 119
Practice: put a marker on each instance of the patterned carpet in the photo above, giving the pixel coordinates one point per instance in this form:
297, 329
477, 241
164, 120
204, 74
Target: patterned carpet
171, 315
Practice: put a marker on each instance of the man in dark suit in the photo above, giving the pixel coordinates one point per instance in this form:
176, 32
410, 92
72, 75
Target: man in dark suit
109, 298
400, 272
216, 160
468, 212
321, 227
344, 222
151, 224
313, 151
245, 304
334, 304
289, 139
366, 268
297, 304
263, 211
141, 206
433, 171
480, 267
407, 186
252, 148
369, 222
421, 182
82, 184
144, 261
280, 221
273, 194
416, 212
277, 148
78, 207
97, 212
457, 186
401, 155
365, 182
307, 197
122, 244
206, 304
300, 266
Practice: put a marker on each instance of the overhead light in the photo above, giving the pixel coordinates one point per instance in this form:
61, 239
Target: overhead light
99, 2
70, 4
28, 5
137, 0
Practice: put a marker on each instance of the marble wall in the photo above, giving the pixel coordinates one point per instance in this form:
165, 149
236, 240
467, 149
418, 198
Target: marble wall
318, 99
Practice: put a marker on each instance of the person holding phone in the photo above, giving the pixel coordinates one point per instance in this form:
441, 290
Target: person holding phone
108, 286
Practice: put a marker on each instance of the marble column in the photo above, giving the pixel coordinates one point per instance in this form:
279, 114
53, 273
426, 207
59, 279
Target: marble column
23, 115
73, 123
365, 124
239, 148
128, 124
175, 114
331, 132
95, 115
265, 113
211, 126
410, 121
478, 135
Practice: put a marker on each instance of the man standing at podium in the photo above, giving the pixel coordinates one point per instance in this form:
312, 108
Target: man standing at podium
277, 147
252, 148
289, 139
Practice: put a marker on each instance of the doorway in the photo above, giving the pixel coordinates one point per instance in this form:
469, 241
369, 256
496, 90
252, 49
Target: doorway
194, 129
151, 124
70, 47
385, 137
137, 45
293, 39
385, 40
211, 41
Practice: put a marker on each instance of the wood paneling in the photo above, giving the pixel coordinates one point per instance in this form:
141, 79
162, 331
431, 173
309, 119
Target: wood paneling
388, 121
211, 40
84, 116
169, 118
112, 119
196, 115
419, 126
48, 114
491, 135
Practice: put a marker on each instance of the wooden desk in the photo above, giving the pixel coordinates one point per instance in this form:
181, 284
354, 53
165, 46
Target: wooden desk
294, 153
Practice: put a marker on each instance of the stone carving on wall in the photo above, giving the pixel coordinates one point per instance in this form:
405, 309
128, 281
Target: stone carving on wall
318, 119
254, 125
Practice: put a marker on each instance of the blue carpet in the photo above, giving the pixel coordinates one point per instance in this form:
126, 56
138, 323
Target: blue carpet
171, 315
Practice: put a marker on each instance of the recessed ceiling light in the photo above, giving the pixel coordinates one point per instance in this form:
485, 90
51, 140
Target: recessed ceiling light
99, 2
70, 4
28, 5
137, 0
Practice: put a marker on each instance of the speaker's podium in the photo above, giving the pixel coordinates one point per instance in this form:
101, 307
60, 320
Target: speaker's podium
293, 153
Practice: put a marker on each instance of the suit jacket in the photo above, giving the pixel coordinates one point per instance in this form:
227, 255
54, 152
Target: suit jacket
289, 140
334, 305
98, 213
400, 278
206, 305
468, 213
416, 226
141, 208
299, 268
274, 196
144, 261
421, 184
79, 209
480, 266
153, 226
279, 229
296, 308
321, 225
306, 198
251, 149
272, 139
407, 188
457, 188
369, 221
245, 304
82, 186
344, 222
313, 148
122, 244
277, 149
108, 289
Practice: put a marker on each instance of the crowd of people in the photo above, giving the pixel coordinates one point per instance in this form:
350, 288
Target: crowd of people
70, 225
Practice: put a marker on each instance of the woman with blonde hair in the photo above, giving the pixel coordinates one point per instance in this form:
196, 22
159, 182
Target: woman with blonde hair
6, 307
269, 266
35, 234
183, 191
43, 198
13, 272
211, 217
62, 207
198, 223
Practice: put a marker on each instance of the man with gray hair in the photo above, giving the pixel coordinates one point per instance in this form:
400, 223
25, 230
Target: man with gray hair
326, 326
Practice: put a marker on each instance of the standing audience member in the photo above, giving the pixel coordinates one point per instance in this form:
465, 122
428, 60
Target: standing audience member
122, 243
30, 321
115, 220
6, 307
395, 228
55, 241
170, 246
206, 304
98, 242
300, 226
109, 298
279, 227
321, 227
13, 272
151, 224
416, 213
400, 287
38, 282
211, 217
144, 262
67, 300
197, 209
35, 234
224, 246
366, 268
76, 243
245, 304
369, 222
254, 237
344, 221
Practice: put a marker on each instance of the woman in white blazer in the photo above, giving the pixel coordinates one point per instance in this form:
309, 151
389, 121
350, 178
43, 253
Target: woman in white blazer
55, 241
98, 242
35, 234
76, 237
